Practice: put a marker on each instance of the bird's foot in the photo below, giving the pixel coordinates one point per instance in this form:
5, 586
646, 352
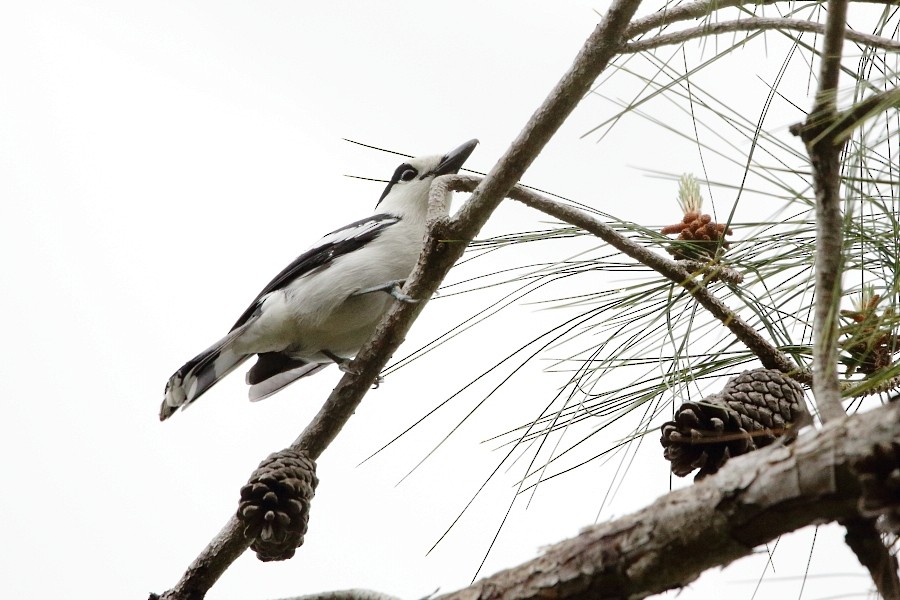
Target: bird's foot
393, 287
342, 362
344, 365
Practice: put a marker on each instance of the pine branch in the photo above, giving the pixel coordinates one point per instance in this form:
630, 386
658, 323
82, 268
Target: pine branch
600, 48
704, 8
444, 246
825, 157
754, 24
848, 120
768, 354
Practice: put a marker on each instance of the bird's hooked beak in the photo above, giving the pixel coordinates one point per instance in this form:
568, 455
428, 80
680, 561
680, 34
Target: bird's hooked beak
453, 161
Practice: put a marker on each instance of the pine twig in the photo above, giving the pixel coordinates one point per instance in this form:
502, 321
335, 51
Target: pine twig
754, 24
770, 356
825, 158
703, 8
848, 120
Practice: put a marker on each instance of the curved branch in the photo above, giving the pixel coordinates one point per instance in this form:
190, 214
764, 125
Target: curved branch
768, 354
754, 24
698, 10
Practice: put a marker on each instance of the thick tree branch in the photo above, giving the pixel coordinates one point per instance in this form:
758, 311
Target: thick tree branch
437, 258
754, 24
752, 500
668, 544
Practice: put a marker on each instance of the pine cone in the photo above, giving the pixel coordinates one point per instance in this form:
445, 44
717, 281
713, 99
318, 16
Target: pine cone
752, 411
704, 435
869, 339
274, 506
768, 402
702, 234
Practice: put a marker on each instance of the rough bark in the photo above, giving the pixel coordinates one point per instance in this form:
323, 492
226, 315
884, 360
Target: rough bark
668, 544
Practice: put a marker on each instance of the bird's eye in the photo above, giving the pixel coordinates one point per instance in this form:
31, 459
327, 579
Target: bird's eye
409, 174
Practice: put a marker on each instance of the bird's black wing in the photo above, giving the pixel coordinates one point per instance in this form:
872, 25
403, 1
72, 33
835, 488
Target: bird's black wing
337, 243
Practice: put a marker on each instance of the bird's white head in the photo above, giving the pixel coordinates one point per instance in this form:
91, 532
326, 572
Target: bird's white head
406, 193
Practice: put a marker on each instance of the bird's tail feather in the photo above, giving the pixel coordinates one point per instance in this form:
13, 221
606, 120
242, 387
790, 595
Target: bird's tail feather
199, 374
274, 371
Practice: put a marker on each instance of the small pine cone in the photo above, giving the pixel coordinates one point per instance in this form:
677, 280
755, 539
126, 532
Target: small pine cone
703, 233
752, 410
875, 359
274, 506
879, 477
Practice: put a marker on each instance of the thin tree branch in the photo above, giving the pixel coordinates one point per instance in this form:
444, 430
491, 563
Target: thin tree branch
848, 120
754, 24
686, 12
824, 149
768, 354
825, 156
704, 8
438, 256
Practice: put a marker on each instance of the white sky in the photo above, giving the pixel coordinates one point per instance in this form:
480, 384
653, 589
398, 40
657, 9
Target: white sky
160, 162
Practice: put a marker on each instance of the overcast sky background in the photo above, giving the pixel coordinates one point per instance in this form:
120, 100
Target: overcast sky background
160, 162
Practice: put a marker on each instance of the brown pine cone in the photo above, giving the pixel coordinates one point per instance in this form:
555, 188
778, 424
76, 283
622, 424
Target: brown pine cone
274, 506
768, 401
752, 411
704, 435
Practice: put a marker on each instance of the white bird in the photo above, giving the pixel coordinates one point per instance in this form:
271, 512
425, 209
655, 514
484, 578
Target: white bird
326, 304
